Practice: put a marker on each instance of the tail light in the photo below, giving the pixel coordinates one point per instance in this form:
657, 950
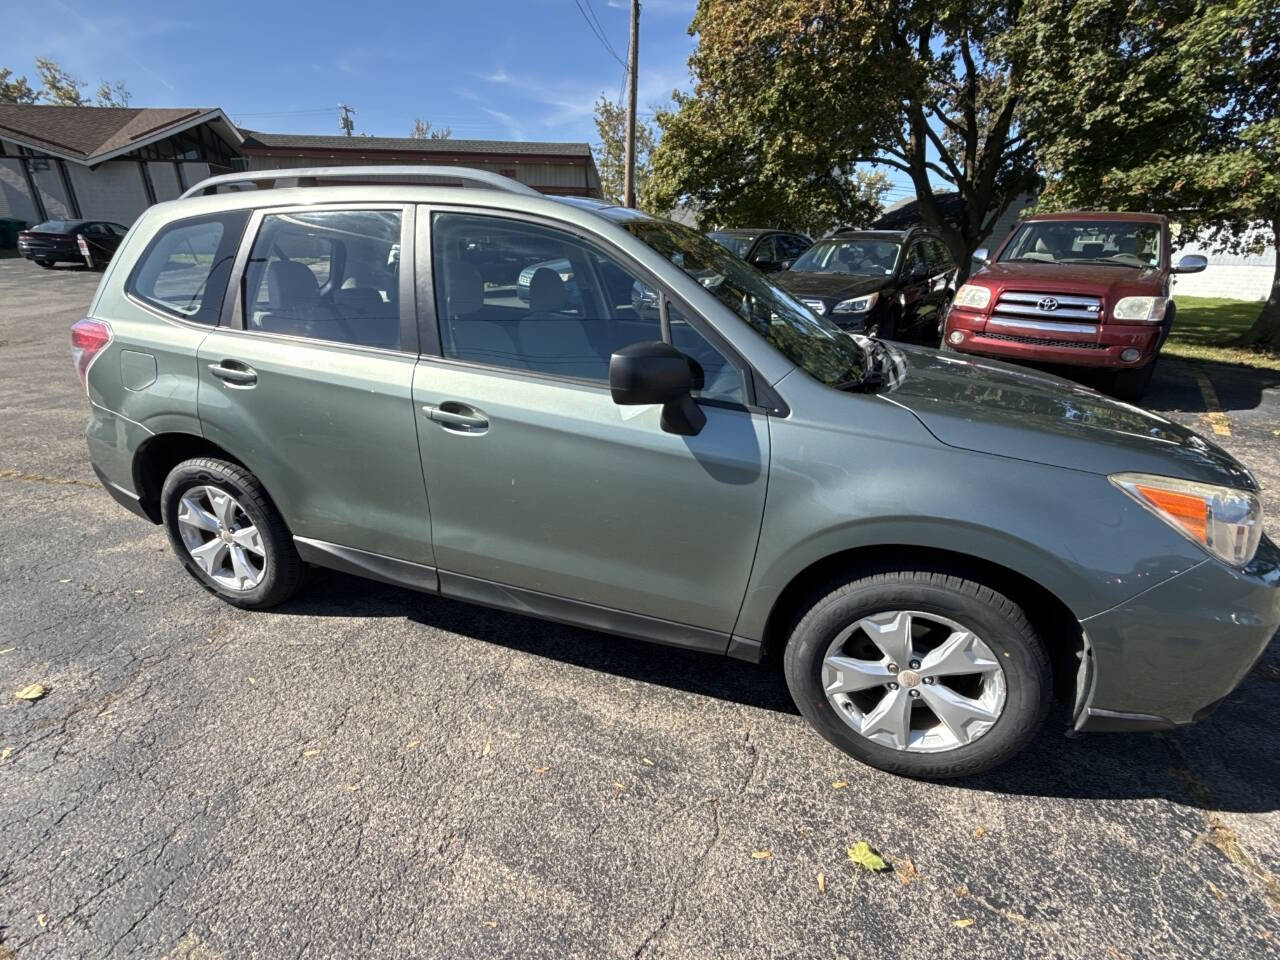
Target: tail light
82, 244
88, 339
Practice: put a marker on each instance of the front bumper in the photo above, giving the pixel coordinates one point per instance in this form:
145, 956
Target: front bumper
1041, 343
1168, 656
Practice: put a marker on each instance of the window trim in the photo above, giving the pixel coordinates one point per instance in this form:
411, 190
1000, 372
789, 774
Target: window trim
428, 317
232, 318
158, 308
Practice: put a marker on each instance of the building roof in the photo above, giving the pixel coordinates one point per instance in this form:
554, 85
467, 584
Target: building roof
906, 213
90, 135
255, 141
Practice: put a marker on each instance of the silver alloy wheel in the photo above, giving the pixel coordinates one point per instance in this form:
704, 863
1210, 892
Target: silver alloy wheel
935, 686
221, 538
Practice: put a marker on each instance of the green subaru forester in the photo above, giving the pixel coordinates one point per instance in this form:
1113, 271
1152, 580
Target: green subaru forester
587, 414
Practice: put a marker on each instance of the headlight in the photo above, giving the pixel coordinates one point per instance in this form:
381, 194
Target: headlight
972, 295
1225, 521
857, 304
1142, 309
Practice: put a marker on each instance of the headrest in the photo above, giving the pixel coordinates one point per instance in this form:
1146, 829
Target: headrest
290, 283
464, 289
546, 292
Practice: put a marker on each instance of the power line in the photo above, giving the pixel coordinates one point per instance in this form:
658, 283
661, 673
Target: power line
598, 34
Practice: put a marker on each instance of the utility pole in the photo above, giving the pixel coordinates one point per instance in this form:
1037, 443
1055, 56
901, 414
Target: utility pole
633, 50
345, 122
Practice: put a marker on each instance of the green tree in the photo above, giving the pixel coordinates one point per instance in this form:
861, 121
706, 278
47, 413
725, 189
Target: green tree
15, 89
791, 96
611, 151
113, 94
59, 87
423, 131
1171, 107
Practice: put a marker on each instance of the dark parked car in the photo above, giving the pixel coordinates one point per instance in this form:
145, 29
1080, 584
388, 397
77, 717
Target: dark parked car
91, 242
894, 284
767, 250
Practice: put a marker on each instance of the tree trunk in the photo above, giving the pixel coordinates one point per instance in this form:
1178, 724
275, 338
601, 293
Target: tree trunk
1265, 331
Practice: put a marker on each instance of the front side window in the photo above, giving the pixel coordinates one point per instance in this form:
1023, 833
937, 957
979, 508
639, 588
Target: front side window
528, 297
859, 257
327, 275
739, 244
1111, 242
185, 268
792, 245
815, 345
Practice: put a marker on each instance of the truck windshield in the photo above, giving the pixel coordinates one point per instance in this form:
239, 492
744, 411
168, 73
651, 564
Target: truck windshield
815, 345
1115, 242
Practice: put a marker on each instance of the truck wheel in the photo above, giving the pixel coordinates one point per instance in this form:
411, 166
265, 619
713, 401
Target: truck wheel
229, 535
1130, 385
921, 673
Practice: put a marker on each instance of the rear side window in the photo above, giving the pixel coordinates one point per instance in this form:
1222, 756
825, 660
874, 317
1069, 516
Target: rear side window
184, 270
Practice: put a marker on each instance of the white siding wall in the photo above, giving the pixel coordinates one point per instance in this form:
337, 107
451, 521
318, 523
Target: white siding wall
165, 181
1232, 276
15, 197
110, 191
51, 192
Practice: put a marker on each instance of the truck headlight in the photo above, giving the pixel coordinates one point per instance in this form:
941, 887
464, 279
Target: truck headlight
972, 295
857, 304
1142, 309
1225, 521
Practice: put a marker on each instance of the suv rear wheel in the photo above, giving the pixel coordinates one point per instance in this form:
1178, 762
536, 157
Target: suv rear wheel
229, 535
919, 672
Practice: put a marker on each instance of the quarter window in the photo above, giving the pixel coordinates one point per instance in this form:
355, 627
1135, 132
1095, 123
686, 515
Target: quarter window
327, 275
527, 297
185, 268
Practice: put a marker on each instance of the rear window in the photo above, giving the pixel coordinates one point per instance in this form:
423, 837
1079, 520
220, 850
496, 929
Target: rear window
185, 267
56, 226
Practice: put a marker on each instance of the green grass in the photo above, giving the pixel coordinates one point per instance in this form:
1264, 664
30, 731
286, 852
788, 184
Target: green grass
1206, 326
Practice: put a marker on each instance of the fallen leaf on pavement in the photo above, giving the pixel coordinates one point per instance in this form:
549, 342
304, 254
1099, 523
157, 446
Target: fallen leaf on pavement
310, 753
961, 890
762, 855
980, 832
862, 854
906, 871
540, 770
8, 650
839, 784
822, 883
646, 761
491, 923
1015, 917
488, 745
413, 744
352, 787
42, 919
252, 681
1212, 889
31, 692
965, 922
4, 755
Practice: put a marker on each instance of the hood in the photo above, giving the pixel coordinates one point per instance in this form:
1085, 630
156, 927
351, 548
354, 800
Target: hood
829, 286
992, 407
1090, 279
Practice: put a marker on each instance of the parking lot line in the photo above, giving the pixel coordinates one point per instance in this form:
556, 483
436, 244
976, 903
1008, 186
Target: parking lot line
1213, 410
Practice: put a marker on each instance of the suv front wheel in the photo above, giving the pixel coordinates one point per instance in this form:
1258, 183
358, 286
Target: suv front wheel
919, 672
229, 535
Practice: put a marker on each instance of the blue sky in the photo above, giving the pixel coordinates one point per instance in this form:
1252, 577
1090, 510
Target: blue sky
521, 69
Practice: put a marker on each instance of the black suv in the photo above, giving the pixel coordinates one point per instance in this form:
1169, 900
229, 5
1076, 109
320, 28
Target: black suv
894, 284
767, 250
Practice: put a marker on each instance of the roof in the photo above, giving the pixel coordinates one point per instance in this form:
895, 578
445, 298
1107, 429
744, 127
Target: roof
255, 141
886, 234
1099, 215
90, 135
906, 213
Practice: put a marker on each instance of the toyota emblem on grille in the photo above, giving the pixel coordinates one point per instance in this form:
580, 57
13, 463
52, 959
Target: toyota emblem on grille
1047, 303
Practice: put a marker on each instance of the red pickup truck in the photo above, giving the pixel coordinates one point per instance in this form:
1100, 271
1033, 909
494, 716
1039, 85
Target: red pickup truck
1076, 289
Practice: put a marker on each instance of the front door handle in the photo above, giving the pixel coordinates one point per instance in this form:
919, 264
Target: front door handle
457, 417
235, 373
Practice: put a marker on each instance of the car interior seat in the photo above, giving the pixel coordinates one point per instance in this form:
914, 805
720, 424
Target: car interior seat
473, 338
552, 341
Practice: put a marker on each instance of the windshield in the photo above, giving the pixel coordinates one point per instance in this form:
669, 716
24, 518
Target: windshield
736, 243
56, 226
1115, 242
812, 343
857, 256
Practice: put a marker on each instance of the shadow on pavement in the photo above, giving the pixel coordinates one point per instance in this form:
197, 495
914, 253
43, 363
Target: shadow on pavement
1223, 764
1176, 386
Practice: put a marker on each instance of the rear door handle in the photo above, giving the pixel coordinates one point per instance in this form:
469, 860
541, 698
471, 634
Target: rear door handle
234, 372
457, 417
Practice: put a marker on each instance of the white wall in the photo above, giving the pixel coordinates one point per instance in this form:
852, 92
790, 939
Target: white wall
52, 193
15, 197
110, 191
165, 181
1233, 276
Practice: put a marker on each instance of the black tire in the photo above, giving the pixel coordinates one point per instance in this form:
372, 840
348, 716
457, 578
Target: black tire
47, 264
284, 569
995, 618
1131, 385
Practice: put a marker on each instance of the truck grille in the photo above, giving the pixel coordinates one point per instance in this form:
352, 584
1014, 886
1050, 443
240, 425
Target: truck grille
1051, 307
1044, 341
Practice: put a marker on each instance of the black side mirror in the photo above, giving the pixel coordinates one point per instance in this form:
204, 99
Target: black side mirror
655, 372
785, 264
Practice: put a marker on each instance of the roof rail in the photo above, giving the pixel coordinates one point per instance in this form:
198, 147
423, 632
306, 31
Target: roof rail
315, 176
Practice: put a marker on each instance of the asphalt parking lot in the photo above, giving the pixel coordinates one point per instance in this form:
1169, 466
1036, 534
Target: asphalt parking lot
372, 772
